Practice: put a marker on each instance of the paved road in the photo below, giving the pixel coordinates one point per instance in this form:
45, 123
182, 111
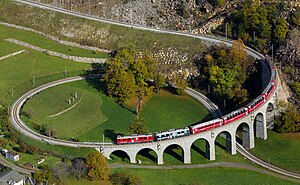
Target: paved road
6, 163
25, 130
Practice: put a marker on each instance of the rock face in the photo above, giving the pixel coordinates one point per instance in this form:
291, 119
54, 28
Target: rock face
165, 14
289, 55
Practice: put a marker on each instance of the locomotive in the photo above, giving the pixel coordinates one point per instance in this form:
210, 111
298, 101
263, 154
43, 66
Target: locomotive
202, 127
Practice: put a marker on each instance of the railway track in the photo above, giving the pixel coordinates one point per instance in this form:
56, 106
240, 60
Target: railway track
22, 128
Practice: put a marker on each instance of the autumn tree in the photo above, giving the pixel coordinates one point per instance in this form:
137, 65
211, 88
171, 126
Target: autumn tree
97, 165
138, 127
159, 82
128, 75
280, 29
181, 85
42, 177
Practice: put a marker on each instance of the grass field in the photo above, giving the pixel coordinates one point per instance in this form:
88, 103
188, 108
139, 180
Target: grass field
43, 42
222, 176
96, 114
280, 149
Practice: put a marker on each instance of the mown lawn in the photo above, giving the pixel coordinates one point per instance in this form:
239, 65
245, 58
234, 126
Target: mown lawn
96, 114
23, 72
45, 43
280, 149
205, 176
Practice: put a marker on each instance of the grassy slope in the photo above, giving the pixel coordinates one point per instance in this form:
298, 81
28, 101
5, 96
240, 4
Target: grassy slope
280, 149
165, 111
44, 42
97, 113
204, 176
112, 37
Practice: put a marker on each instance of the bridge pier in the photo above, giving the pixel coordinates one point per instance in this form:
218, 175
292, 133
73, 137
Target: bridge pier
210, 150
187, 155
261, 126
231, 145
160, 157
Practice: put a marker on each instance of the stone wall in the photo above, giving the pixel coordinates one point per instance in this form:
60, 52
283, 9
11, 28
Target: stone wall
56, 54
12, 54
67, 43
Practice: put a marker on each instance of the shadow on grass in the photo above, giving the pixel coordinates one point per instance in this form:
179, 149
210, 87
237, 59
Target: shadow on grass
111, 134
121, 155
220, 145
198, 150
146, 153
130, 110
239, 140
170, 151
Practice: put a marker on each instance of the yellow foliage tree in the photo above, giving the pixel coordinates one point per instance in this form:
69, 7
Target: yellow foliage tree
98, 168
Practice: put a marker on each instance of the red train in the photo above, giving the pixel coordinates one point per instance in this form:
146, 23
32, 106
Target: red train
202, 127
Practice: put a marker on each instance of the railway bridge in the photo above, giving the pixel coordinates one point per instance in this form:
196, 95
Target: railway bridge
252, 125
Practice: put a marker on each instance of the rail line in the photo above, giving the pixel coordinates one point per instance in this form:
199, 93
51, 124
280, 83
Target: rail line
22, 128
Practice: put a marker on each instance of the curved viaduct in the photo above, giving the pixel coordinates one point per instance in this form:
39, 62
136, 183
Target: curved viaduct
252, 125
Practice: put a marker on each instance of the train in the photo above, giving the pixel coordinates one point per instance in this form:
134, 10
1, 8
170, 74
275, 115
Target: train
202, 127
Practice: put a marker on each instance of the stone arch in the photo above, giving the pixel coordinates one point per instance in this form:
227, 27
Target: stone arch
228, 144
260, 129
201, 148
120, 154
242, 133
174, 150
148, 153
270, 115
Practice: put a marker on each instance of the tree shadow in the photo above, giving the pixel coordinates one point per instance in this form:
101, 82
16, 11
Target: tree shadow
171, 152
220, 145
198, 150
239, 140
93, 76
111, 134
124, 107
146, 153
122, 155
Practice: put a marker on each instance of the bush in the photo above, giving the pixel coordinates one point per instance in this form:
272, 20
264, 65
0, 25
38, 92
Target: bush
288, 121
138, 127
97, 165
122, 178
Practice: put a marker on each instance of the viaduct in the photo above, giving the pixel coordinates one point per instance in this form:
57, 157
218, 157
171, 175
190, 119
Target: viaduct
252, 125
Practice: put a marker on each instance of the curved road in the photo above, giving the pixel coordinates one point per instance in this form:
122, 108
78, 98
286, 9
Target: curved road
21, 127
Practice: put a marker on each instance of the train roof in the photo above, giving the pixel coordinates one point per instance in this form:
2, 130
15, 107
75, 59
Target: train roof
133, 135
171, 130
233, 112
207, 123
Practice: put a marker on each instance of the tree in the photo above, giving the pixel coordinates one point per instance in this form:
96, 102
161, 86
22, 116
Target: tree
42, 177
134, 180
159, 82
281, 29
120, 83
288, 121
97, 166
294, 17
238, 53
128, 74
138, 127
79, 168
181, 85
